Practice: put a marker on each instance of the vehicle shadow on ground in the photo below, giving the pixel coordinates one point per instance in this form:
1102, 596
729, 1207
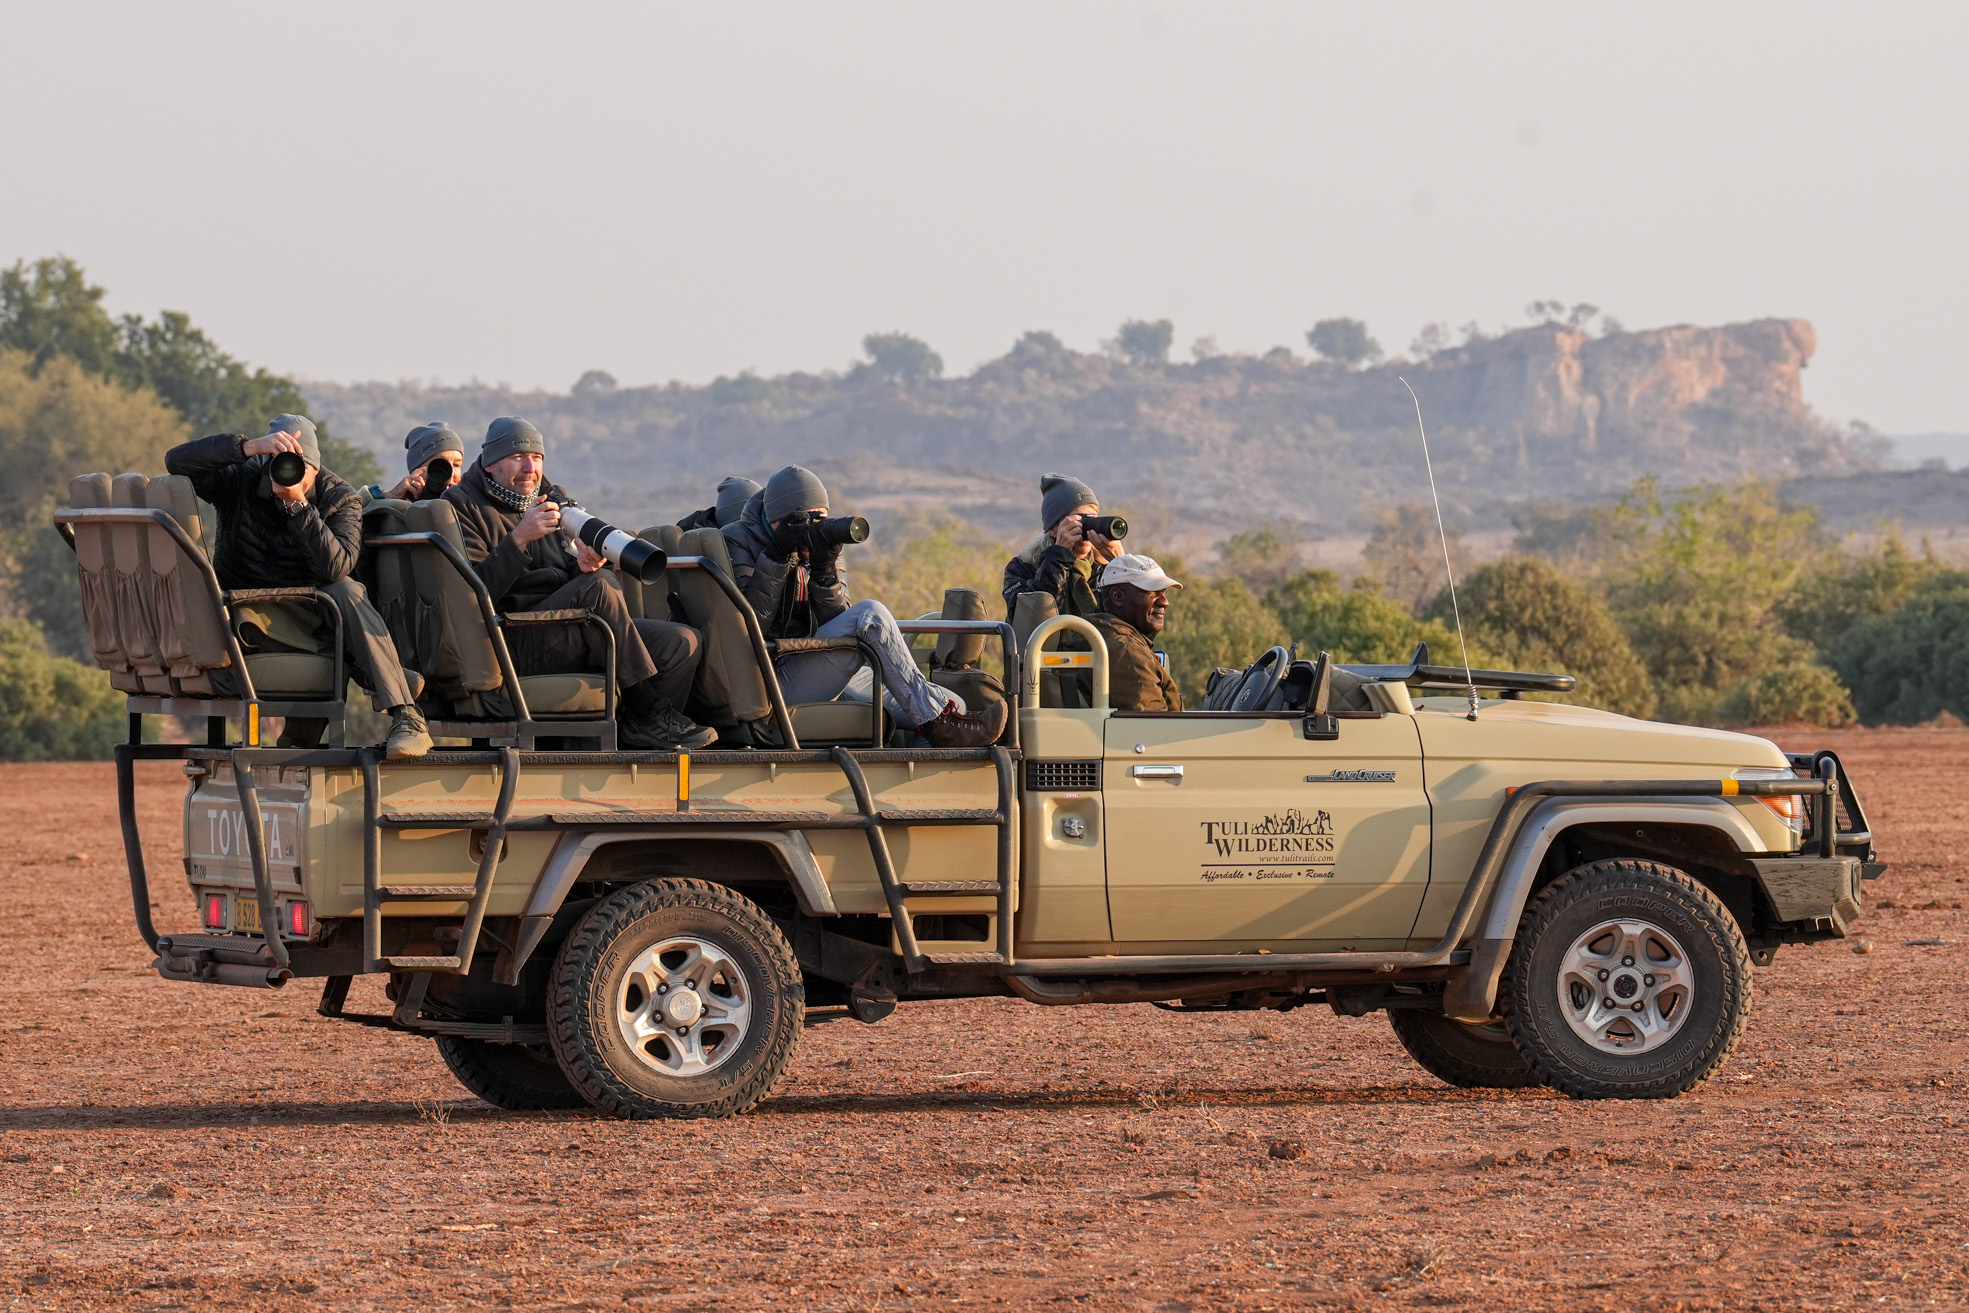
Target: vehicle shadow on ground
466, 1110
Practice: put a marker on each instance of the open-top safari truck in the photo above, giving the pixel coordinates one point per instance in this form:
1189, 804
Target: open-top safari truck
1534, 892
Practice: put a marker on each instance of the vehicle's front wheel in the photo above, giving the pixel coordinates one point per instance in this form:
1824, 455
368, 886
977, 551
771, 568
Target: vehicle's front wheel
675, 998
1473, 1057
520, 1077
1628, 980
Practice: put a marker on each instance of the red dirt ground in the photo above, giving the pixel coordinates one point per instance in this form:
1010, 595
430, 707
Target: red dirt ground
164, 1146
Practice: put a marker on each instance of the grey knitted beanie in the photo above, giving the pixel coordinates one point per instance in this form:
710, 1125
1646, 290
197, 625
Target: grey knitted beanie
507, 435
793, 489
427, 440
733, 492
303, 428
1059, 495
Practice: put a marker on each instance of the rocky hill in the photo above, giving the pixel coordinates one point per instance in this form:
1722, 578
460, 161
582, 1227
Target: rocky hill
1545, 412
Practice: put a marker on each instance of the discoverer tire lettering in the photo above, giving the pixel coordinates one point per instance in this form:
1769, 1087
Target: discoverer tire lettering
1618, 935
675, 998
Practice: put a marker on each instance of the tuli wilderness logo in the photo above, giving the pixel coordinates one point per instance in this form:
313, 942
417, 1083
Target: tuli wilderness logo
1284, 846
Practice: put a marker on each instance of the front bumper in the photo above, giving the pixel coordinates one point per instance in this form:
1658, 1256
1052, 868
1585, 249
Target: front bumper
1810, 893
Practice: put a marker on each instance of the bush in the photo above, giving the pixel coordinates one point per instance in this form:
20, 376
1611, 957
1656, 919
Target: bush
1535, 618
52, 708
1358, 625
1798, 693
1910, 666
1217, 622
1846, 591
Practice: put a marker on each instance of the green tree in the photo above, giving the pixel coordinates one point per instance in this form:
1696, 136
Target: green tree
1845, 591
1697, 587
1343, 341
1359, 625
1146, 342
52, 708
1532, 617
900, 358
1912, 664
50, 309
56, 422
1800, 692
1263, 557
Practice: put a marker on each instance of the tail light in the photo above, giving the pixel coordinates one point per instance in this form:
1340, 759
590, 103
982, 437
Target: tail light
298, 923
214, 911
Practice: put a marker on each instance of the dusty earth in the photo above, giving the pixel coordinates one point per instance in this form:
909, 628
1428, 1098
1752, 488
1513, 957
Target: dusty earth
165, 1146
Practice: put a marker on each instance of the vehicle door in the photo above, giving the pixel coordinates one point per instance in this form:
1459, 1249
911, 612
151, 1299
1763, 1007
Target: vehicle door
1231, 830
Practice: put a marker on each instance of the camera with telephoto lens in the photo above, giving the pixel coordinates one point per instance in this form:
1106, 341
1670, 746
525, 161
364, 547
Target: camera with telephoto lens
840, 530
1114, 527
288, 468
437, 477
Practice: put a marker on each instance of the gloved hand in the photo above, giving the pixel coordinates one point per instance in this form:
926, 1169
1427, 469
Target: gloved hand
788, 538
823, 554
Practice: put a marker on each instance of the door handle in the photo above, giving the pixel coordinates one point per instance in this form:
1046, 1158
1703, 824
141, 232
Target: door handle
1148, 772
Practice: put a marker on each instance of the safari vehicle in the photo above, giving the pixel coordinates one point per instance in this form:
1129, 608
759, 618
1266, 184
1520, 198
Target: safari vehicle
1535, 893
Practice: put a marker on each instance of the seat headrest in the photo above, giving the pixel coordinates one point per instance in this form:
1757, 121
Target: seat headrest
958, 650
173, 494
88, 491
439, 517
128, 490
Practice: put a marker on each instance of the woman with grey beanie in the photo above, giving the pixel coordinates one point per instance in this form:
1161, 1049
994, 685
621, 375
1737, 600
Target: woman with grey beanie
1063, 562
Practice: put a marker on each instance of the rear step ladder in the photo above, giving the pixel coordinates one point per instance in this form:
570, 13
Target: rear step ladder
895, 891
375, 893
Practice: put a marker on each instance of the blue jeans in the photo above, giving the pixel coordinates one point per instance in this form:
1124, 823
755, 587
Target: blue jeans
825, 676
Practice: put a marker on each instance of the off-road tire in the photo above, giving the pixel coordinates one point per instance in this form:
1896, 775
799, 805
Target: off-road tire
519, 1077
591, 971
1471, 1057
1633, 891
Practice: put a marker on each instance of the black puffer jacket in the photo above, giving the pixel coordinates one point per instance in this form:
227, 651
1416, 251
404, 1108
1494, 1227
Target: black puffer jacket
262, 541
790, 603
517, 577
1046, 567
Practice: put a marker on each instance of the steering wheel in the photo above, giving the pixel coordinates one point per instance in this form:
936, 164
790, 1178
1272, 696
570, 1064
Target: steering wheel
1261, 681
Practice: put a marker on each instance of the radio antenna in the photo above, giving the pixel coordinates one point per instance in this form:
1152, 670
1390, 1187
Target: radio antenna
1470, 680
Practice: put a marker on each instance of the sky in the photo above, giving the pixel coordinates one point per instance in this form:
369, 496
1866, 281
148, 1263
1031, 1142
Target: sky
520, 193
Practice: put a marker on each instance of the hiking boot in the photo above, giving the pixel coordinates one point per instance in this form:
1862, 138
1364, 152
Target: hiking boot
664, 729
958, 728
409, 735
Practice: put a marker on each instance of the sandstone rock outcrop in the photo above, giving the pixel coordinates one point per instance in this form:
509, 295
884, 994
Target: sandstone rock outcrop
1545, 412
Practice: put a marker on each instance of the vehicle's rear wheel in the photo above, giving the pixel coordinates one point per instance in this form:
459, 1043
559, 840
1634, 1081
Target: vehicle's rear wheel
1473, 1057
522, 1077
1628, 980
675, 998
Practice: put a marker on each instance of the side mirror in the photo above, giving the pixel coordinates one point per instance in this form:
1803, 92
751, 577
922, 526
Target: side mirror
1321, 723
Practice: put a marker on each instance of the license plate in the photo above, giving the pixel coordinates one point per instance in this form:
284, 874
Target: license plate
246, 913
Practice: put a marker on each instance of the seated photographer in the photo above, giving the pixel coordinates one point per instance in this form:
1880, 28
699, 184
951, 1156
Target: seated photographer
734, 490
510, 518
788, 564
1064, 561
1134, 609
434, 455
306, 535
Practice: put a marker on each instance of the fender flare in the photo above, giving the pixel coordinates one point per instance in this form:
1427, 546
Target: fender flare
575, 847
1471, 995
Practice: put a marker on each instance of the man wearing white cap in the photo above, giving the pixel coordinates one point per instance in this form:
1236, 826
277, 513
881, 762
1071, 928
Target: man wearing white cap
1134, 608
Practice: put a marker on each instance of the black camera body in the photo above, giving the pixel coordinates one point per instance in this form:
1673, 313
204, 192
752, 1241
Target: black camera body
1113, 527
840, 530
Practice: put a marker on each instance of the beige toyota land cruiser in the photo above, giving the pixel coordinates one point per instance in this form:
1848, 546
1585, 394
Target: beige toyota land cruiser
1535, 893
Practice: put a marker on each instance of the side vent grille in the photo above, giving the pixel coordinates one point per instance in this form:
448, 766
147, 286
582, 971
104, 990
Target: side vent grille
1078, 776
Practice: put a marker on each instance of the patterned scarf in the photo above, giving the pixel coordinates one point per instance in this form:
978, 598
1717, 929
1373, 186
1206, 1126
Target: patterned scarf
507, 497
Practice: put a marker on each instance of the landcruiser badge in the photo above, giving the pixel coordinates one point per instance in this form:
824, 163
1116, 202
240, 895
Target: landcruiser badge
1353, 777
1292, 846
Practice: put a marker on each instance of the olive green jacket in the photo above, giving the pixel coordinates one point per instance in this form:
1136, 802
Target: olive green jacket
1136, 680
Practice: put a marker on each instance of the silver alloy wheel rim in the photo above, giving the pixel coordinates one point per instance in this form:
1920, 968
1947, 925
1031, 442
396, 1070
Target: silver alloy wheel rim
1625, 987
683, 1006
